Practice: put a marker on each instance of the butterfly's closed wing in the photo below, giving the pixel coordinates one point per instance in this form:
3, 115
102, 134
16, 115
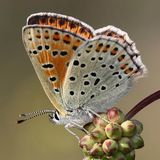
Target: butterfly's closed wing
101, 73
51, 41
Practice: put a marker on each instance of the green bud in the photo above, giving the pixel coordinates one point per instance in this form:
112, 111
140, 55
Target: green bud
129, 128
137, 141
104, 158
85, 151
87, 142
98, 134
96, 150
139, 126
125, 145
130, 156
93, 158
97, 121
115, 115
113, 131
118, 156
88, 158
110, 147
89, 126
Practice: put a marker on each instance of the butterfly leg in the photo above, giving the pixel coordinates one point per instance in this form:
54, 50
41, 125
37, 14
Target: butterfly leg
67, 127
89, 111
80, 127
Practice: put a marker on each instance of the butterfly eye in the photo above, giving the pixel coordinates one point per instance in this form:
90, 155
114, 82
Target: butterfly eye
56, 116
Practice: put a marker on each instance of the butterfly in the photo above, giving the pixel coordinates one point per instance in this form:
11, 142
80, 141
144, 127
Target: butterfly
82, 71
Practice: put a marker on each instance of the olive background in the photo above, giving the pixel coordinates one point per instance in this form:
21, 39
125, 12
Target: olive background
21, 91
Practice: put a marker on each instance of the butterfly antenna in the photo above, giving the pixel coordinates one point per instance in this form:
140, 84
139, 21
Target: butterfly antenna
27, 116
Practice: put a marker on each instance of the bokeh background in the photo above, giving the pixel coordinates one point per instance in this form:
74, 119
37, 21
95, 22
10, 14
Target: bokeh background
20, 89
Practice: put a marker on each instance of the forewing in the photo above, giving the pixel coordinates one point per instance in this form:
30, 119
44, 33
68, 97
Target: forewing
101, 73
51, 48
62, 22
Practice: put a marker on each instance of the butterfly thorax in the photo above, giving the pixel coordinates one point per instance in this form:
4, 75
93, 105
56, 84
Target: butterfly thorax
74, 118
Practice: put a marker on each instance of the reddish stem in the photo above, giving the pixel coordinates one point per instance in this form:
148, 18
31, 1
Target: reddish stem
144, 103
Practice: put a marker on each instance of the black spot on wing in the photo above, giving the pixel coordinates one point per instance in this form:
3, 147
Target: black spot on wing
47, 65
97, 81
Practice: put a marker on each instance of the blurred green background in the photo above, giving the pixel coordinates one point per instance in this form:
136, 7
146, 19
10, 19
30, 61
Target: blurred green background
20, 89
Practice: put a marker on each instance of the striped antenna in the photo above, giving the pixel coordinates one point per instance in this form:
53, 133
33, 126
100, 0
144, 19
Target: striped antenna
27, 116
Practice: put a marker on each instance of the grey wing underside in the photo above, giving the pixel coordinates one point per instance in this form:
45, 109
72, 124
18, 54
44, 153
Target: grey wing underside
101, 73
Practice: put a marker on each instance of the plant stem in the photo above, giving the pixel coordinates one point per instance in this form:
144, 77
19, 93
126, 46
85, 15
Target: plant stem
142, 104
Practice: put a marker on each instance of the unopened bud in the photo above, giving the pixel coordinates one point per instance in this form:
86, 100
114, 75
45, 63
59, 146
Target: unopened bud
129, 128
85, 151
125, 145
115, 115
87, 142
137, 141
130, 155
118, 156
139, 126
97, 121
113, 131
98, 134
103, 158
110, 147
88, 158
96, 150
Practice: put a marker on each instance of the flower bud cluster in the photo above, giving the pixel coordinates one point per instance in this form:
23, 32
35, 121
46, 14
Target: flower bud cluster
112, 137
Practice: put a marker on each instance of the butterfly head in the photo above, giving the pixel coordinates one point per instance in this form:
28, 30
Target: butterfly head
73, 117
55, 117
